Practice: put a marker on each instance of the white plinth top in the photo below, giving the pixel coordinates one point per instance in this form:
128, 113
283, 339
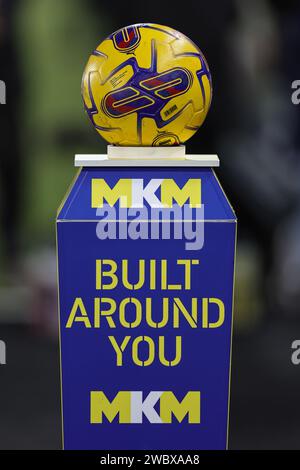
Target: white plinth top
146, 156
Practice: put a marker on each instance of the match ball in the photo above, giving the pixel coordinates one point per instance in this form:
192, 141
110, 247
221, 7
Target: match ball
147, 85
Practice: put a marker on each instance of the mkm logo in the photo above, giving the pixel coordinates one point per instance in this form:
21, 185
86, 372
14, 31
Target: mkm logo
131, 408
133, 193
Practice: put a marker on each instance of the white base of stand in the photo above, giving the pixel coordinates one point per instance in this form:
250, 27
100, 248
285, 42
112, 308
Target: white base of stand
147, 156
177, 151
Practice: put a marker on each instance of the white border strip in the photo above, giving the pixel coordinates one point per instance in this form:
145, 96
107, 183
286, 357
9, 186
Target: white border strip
187, 161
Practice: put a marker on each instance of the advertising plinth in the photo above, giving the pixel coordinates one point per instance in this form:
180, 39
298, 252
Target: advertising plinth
146, 253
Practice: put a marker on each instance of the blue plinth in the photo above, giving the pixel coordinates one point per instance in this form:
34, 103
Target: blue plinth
146, 269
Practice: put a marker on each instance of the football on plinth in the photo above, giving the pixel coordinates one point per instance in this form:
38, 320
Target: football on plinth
147, 85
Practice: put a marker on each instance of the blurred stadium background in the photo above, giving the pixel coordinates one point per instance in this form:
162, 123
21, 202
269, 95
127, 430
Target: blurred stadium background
253, 51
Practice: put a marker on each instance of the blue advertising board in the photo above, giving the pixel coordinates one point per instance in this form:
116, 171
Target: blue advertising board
146, 269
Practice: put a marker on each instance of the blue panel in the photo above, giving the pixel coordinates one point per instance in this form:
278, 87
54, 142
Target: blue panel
88, 358
78, 204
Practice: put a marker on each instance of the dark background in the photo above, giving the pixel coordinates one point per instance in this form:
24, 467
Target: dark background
253, 49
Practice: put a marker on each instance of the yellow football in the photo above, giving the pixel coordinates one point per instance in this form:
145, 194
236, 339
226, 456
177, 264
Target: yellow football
147, 84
